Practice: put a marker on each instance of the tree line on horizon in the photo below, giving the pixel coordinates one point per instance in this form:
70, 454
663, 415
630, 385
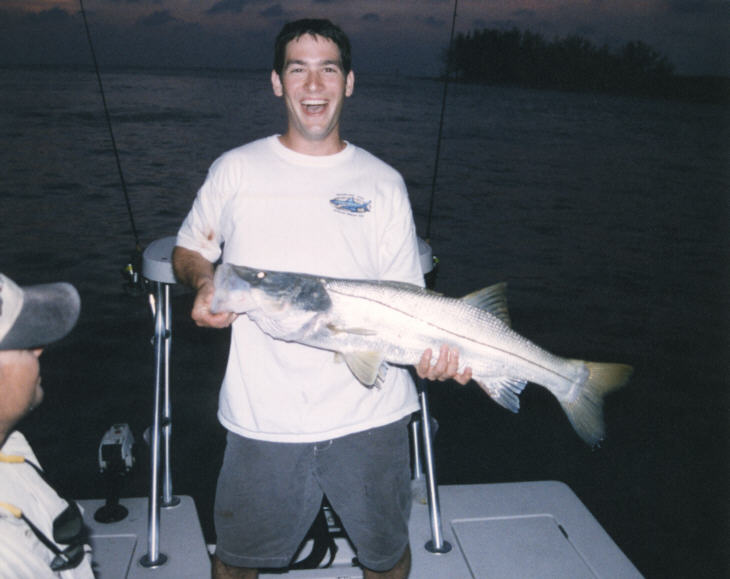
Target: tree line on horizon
527, 59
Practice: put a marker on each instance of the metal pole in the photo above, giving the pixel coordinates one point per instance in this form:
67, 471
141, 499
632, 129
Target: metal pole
416, 450
168, 500
154, 558
437, 543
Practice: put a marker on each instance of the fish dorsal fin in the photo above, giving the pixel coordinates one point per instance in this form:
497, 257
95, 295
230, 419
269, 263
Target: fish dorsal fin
364, 365
492, 299
504, 391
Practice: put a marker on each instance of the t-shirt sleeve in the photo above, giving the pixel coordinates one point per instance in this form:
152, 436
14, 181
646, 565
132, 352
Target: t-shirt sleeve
399, 253
203, 228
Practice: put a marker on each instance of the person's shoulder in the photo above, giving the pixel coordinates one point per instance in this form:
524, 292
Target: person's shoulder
373, 163
256, 147
239, 156
17, 445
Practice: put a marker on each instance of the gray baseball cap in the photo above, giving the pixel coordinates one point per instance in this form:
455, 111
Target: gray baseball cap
34, 316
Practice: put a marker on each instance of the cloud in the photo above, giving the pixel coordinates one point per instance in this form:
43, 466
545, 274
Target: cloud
523, 13
157, 18
230, 6
275, 11
434, 22
52, 15
695, 7
135, 1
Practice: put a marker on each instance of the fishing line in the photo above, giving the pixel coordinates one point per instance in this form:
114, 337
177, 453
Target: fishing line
111, 130
131, 271
441, 125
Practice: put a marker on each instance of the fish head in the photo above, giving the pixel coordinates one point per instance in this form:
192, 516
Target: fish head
272, 293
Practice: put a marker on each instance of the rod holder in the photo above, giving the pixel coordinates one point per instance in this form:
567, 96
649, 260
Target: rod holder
157, 268
437, 544
154, 558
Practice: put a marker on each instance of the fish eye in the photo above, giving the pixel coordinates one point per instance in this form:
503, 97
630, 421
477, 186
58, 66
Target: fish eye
261, 275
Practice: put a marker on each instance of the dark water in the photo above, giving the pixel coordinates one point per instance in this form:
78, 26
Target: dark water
607, 216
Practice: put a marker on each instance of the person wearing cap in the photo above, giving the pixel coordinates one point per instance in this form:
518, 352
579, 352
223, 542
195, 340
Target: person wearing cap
41, 533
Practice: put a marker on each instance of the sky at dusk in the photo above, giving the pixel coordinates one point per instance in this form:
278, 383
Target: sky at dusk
407, 36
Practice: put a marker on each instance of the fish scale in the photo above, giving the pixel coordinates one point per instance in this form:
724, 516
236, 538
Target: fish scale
458, 324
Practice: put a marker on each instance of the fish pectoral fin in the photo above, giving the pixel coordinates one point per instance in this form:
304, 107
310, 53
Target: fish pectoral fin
504, 390
358, 331
364, 365
492, 299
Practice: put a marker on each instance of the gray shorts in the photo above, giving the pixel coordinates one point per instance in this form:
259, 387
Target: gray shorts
269, 494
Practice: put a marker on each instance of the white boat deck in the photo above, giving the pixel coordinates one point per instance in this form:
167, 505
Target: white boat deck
531, 529
118, 548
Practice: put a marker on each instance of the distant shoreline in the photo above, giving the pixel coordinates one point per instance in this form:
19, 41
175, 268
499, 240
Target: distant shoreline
697, 89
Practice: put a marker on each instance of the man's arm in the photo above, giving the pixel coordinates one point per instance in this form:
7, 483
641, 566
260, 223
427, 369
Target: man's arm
194, 270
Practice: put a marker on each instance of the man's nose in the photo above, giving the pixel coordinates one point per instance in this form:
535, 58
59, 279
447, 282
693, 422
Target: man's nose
314, 80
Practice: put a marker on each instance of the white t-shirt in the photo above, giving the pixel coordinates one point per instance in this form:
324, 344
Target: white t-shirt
345, 215
22, 555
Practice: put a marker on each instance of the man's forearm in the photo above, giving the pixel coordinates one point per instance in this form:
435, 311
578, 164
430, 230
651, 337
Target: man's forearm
194, 270
191, 268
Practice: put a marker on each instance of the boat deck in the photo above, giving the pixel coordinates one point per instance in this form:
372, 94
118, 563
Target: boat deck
527, 529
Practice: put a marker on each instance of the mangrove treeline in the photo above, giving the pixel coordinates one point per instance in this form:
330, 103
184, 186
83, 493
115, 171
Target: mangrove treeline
528, 60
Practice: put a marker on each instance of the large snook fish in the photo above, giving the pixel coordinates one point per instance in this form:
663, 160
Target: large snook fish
370, 322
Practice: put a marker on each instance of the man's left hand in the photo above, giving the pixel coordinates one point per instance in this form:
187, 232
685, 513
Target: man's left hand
446, 367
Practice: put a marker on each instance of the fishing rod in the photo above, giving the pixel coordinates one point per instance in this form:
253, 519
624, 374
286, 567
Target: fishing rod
447, 75
437, 543
161, 424
131, 269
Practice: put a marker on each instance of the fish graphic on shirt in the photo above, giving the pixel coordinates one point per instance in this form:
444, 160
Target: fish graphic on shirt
351, 204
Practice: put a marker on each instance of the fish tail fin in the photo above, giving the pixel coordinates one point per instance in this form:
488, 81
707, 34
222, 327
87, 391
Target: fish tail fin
585, 411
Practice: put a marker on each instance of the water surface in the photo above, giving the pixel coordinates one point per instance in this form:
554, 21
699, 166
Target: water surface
607, 216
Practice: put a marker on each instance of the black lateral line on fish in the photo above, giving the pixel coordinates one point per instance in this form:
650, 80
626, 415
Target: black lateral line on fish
467, 338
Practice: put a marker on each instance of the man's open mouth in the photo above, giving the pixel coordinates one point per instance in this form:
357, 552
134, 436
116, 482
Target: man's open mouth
314, 106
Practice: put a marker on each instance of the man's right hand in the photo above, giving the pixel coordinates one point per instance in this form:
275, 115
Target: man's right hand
194, 270
201, 313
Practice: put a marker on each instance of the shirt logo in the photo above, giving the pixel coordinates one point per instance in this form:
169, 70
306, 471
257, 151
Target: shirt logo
350, 204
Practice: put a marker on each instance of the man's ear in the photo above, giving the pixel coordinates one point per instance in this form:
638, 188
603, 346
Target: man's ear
276, 84
349, 83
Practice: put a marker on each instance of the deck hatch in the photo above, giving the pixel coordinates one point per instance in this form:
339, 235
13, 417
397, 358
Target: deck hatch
521, 546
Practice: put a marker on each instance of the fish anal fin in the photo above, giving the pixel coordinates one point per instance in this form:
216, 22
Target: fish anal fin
364, 365
492, 299
504, 390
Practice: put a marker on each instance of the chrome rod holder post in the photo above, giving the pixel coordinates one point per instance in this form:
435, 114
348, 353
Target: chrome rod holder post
415, 427
154, 558
168, 499
157, 270
437, 544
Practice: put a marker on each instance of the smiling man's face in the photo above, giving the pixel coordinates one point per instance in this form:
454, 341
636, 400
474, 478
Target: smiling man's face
314, 87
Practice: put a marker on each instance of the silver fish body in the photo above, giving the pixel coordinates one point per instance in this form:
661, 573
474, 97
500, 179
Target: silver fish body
372, 322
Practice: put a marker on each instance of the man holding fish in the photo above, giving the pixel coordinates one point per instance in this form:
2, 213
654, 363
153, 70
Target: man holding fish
300, 425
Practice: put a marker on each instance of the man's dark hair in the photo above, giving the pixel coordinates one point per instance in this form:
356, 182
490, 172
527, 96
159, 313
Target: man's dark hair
315, 27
